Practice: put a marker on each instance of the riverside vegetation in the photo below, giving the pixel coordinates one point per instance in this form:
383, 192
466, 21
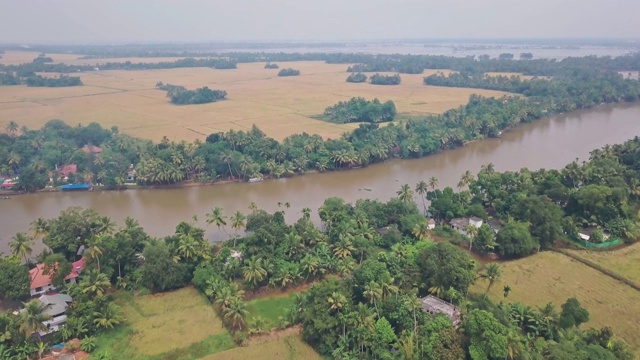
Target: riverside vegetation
249, 154
367, 281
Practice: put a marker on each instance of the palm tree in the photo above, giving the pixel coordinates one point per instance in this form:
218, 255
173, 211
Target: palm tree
336, 301
421, 230
187, 246
236, 312
388, 288
372, 292
405, 193
471, 231
506, 291
253, 271
421, 189
94, 283
12, 127
306, 213
95, 249
21, 246
40, 227
343, 247
492, 273
108, 317
237, 223
31, 318
227, 158
215, 217
413, 304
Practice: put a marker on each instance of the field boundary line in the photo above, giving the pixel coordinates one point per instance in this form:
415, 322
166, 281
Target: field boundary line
599, 268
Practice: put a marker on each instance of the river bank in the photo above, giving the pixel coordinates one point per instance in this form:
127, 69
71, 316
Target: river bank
548, 143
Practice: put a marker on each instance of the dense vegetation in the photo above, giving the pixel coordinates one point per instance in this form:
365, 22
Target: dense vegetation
288, 72
371, 260
271, 66
539, 207
357, 78
61, 81
179, 95
377, 79
361, 110
8, 78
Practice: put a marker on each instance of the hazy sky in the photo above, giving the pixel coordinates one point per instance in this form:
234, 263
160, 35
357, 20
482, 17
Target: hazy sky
83, 21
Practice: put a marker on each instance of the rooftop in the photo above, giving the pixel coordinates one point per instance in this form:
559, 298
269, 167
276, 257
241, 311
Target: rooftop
433, 304
91, 149
55, 304
39, 279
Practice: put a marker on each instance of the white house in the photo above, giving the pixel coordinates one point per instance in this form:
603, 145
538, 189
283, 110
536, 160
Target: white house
585, 234
461, 224
41, 283
431, 224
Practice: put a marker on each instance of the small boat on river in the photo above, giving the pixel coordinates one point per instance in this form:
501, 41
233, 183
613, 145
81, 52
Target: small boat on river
256, 179
75, 187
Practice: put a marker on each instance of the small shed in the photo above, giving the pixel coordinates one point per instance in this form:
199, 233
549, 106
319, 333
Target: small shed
431, 224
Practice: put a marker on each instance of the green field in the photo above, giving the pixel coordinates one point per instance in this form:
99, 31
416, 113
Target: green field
550, 276
285, 347
270, 308
176, 325
624, 262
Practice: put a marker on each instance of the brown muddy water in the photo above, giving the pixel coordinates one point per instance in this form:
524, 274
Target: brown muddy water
550, 143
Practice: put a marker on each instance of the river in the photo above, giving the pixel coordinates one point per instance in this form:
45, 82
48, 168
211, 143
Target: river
550, 143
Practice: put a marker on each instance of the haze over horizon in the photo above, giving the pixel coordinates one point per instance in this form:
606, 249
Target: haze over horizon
82, 21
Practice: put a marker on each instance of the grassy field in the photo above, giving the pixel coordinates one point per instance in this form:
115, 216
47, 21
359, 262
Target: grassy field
286, 345
174, 325
554, 277
623, 261
279, 106
270, 308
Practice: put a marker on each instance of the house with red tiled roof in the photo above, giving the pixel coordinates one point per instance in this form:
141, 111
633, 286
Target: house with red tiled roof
91, 149
64, 171
41, 283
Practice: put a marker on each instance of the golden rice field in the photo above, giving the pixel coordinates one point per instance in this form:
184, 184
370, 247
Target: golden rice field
170, 321
280, 106
624, 262
285, 346
554, 277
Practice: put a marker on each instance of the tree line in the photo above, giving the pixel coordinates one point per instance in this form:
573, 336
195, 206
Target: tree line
357, 78
377, 79
361, 110
407, 64
60, 81
179, 95
288, 72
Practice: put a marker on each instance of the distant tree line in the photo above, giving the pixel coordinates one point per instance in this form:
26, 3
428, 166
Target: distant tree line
179, 95
8, 78
581, 89
42, 58
61, 81
288, 72
271, 66
357, 78
505, 56
361, 110
410, 64
378, 79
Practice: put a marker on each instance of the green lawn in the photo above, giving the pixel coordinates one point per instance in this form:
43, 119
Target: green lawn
270, 308
178, 325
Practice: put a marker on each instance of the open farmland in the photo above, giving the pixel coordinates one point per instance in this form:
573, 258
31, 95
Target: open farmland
21, 57
173, 325
282, 345
623, 262
550, 276
279, 106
